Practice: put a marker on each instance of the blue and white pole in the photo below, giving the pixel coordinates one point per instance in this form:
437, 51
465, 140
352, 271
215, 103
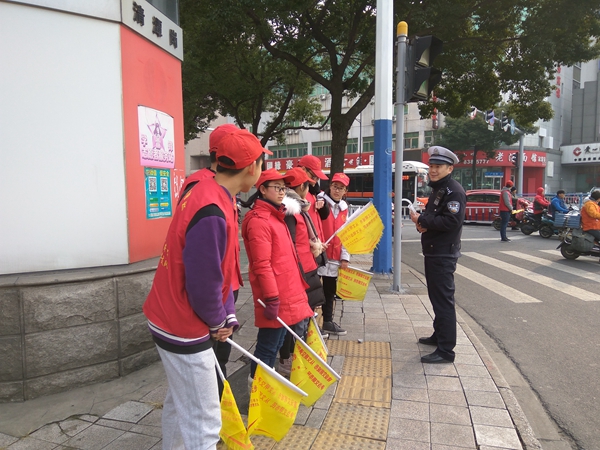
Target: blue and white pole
382, 171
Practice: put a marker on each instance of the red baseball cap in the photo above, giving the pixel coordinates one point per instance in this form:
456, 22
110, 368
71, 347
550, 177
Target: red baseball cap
242, 147
270, 175
509, 183
341, 178
314, 164
297, 176
217, 134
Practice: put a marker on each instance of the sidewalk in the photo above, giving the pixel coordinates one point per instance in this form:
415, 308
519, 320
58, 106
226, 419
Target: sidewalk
386, 399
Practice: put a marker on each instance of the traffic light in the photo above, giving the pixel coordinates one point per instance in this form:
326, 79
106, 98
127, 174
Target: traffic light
489, 117
504, 122
421, 78
515, 160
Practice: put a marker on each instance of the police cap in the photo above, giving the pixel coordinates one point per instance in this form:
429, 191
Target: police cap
441, 155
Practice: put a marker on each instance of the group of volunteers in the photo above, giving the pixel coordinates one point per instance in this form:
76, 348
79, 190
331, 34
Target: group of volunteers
191, 305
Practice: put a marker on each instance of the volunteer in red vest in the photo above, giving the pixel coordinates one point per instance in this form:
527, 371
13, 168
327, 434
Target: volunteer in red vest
319, 210
336, 253
274, 270
191, 304
505, 207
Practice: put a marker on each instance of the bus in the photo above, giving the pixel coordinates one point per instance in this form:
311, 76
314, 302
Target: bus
415, 176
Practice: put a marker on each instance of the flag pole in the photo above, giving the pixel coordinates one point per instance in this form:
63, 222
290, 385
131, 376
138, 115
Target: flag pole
270, 369
219, 371
314, 320
304, 344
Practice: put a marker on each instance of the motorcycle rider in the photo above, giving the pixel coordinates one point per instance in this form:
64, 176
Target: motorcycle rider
590, 215
558, 204
539, 203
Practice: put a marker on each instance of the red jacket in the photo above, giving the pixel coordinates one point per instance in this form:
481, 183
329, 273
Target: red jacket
293, 208
331, 225
170, 306
273, 265
539, 202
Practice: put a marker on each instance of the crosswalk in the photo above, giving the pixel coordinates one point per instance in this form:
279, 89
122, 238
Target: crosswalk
532, 275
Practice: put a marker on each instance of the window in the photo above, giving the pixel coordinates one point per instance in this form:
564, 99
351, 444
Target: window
368, 145
429, 138
352, 146
411, 140
289, 151
321, 148
576, 76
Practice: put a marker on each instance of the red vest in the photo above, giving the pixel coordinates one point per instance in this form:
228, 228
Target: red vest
314, 215
167, 305
330, 225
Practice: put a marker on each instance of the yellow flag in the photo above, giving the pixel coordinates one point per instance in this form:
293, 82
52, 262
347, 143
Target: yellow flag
233, 432
352, 284
362, 233
273, 406
310, 375
315, 341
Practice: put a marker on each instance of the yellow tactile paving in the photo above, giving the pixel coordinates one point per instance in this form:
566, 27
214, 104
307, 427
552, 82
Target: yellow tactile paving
336, 348
367, 391
356, 420
344, 442
367, 367
262, 442
368, 349
298, 438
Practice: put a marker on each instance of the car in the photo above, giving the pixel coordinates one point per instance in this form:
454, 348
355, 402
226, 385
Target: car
482, 205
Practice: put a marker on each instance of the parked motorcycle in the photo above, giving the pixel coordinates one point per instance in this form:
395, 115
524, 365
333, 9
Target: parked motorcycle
575, 243
530, 223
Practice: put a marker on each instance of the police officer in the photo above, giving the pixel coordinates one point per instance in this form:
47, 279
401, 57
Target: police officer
440, 226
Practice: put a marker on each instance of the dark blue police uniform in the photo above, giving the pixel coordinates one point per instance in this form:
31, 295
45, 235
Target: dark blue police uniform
443, 219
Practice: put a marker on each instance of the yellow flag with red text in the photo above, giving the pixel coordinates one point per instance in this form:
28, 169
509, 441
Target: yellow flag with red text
233, 431
315, 341
352, 284
273, 406
310, 375
361, 234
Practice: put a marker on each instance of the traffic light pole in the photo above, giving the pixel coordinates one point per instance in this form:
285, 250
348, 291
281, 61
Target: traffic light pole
402, 32
520, 174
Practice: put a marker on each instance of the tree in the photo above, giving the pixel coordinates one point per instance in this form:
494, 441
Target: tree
232, 74
463, 134
511, 46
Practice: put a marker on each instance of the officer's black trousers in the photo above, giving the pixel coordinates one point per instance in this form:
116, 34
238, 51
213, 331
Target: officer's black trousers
439, 274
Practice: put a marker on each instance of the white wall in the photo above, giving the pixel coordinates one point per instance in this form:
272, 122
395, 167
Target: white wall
61, 150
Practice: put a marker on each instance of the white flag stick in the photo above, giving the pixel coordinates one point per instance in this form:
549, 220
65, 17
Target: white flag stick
304, 344
350, 219
270, 369
319, 333
360, 270
221, 374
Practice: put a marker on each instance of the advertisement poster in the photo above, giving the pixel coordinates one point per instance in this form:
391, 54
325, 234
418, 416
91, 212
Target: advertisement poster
157, 138
158, 193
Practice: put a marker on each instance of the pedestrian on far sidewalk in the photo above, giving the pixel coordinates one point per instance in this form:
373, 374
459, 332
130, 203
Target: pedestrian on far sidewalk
440, 226
337, 255
506, 208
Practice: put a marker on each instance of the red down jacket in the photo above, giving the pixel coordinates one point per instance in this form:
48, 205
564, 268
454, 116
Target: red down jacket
273, 265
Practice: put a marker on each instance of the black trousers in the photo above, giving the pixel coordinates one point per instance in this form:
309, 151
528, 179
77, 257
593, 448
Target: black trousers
329, 288
439, 274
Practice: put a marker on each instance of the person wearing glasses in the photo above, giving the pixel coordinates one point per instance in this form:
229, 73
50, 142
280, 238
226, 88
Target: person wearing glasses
274, 271
337, 255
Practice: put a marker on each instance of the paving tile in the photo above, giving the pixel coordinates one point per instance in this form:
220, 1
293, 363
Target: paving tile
413, 366
148, 430
497, 437
29, 443
452, 435
469, 359
377, 337
465, 349
468, 370
132, 441
50, 433
71, 427
491, 416
129, 412
88, 418
409, 380
443, 383
6, 440
481, 398
410, 394
94, 437
455, 398
401, 444
403, 355
316, 418
478, 384
454, 447
410, 410
125, 426
414, 430
446, 370
154, 418
458, 415
302, 415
